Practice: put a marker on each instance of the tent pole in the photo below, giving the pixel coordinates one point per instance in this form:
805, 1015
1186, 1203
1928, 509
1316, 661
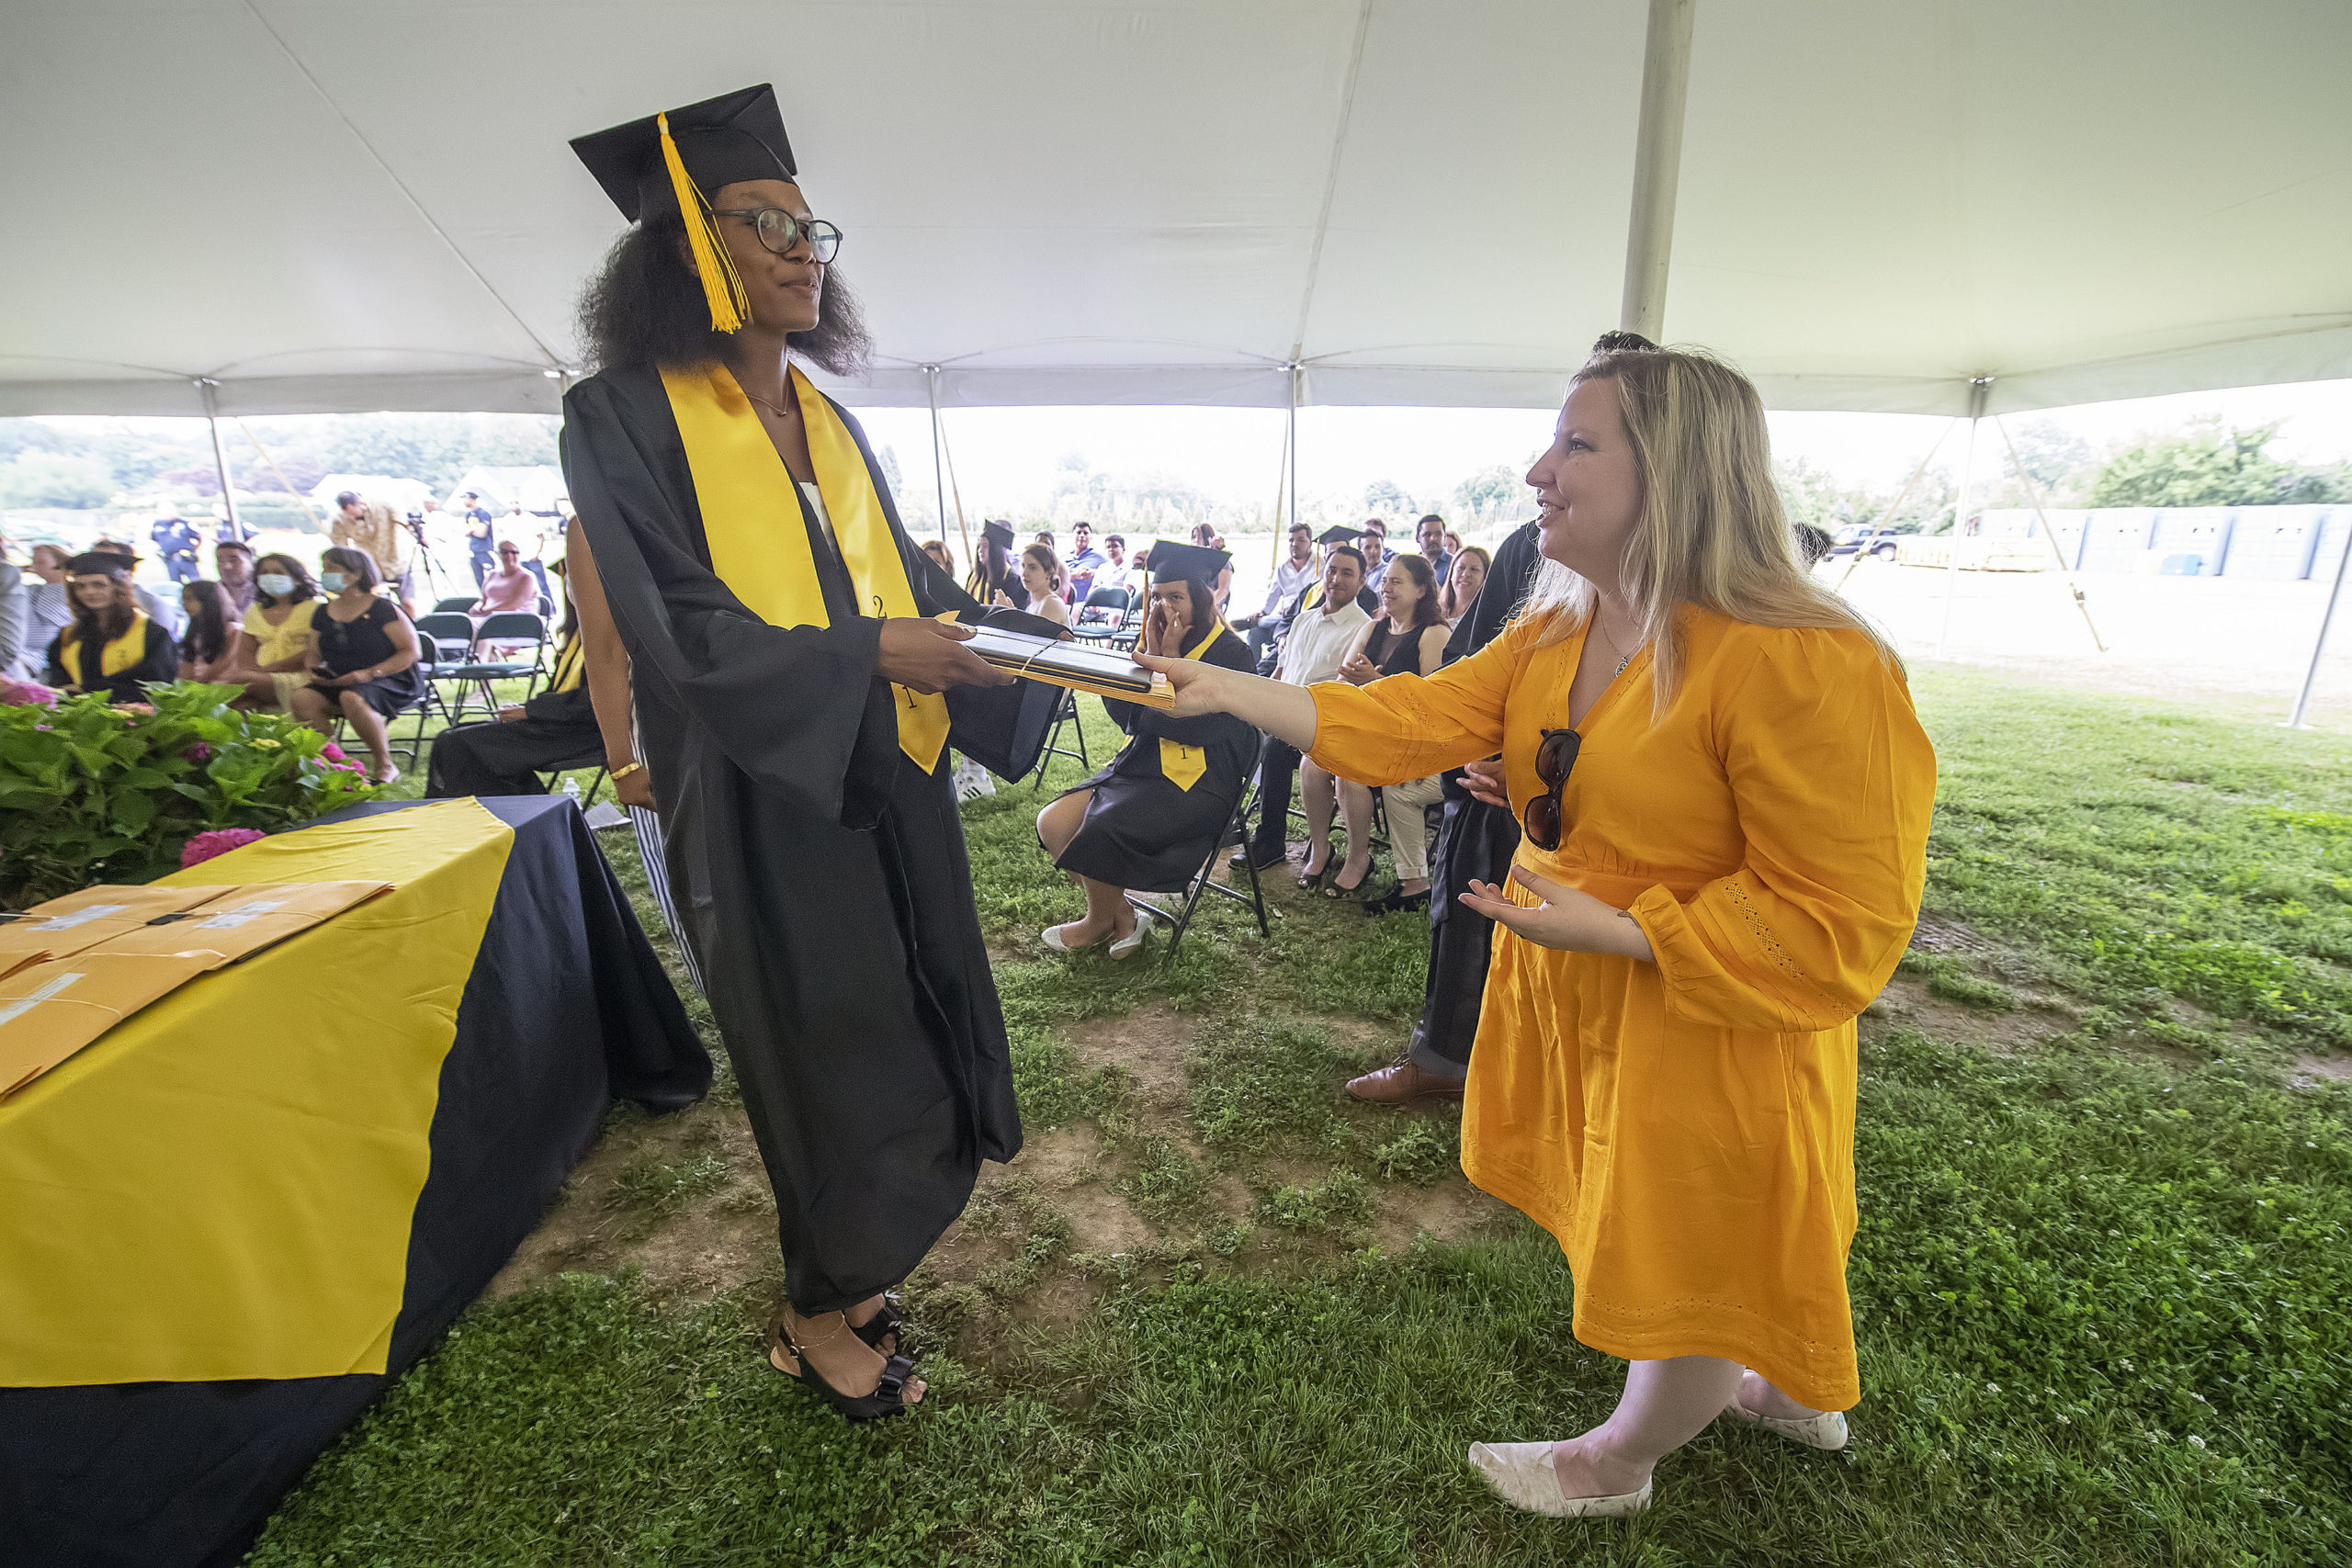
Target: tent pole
1657, 166
300, 499
1978, 390
963, 529
2033, 492
220, 459
938, 466
1894, 506
1290, 441
2319, 644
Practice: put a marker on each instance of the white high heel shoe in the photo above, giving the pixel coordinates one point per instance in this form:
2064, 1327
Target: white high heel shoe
1134, 940
1826, 1431
1521, 1475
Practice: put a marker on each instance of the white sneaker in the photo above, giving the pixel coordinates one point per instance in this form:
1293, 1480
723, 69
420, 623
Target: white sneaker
1521, 1475
972, 781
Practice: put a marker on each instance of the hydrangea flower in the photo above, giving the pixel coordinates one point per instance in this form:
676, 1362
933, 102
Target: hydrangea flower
25, 693
219, 841
197, 751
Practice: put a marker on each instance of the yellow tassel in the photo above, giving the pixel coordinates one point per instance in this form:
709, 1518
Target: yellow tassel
721, 286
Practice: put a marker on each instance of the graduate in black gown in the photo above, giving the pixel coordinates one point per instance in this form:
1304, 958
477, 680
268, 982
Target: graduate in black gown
743, 579
1474, 841
110, 644
1147, 820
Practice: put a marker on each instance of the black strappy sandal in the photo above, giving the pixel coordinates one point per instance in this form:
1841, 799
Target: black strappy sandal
888, 1397
888, 1321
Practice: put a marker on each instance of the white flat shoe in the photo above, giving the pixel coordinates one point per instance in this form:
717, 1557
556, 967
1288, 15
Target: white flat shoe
1522, 1474
1128, 944
1826, 1431
1052, 937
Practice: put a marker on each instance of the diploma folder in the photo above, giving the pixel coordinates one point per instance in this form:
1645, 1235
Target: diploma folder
1076, 665
52, 1008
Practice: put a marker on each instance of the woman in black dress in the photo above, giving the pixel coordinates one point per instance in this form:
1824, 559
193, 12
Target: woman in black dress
363, 658
110, 644
1148, 820
1408, 640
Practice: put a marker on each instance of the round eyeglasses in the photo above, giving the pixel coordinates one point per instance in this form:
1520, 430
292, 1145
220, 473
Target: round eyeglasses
779, 231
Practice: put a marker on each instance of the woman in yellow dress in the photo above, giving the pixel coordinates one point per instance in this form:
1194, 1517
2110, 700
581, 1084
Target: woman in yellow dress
1725, 795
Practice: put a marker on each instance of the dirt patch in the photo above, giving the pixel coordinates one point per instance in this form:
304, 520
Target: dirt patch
1448, 1211
1937, 933
1149, 1044
1907, 1001
2310, 1071
699, 1247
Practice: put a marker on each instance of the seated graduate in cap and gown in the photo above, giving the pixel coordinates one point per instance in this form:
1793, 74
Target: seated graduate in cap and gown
110, 644
1148, 821
553, 730
744, 581
995, 569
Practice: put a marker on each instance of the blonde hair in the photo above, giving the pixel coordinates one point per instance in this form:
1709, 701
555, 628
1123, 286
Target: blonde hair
1711, 530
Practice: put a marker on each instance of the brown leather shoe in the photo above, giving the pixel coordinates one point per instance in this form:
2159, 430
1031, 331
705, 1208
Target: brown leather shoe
1403, 1084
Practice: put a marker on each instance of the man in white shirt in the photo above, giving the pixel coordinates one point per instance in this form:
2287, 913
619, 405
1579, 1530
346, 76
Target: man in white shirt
1319, 642
1291, 579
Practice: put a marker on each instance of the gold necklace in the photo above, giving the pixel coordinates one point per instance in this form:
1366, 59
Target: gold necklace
780, 412
1600, 626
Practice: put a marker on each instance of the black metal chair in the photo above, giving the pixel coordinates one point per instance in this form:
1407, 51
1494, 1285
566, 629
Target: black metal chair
1064, 714
1115, 601
1180, 921
468, 669
445, 607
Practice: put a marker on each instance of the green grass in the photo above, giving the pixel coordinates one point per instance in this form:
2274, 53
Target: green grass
2097, 1290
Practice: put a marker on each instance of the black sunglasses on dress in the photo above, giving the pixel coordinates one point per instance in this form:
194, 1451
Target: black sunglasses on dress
1555, 756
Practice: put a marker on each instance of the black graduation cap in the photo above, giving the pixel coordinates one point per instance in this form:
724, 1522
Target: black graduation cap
1338, 535
1001, 532
94, 563
678, 158
1172, 562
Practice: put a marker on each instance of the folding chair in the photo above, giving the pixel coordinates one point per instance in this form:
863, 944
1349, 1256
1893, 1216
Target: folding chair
510, 626
1236, 830
445, 641
447, 606
1066, 714
1115, 602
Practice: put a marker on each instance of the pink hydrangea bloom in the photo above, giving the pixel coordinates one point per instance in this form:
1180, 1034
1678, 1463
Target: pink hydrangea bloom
333, 752
219, 841
197, 751
23, 693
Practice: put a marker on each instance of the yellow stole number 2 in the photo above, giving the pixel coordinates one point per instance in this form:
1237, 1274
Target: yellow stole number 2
750, 517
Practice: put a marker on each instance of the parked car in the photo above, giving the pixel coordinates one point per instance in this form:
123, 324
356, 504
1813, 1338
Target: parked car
1851, 538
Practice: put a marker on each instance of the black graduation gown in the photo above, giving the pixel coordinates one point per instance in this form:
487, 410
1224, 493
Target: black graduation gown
558, 730
821, 876
1142, 830
158, 662
1475, 840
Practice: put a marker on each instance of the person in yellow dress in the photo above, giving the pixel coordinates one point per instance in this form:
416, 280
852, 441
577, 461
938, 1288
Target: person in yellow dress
1726, 794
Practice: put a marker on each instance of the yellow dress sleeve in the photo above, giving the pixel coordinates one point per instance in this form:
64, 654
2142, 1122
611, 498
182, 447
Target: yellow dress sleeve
1409, 726
1834, 782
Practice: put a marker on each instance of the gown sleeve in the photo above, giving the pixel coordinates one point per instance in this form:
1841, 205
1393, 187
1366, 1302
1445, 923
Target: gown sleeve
53, 662
1409, 726
1834, 782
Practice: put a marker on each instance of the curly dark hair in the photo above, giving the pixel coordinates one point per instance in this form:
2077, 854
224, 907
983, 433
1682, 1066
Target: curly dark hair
644, 309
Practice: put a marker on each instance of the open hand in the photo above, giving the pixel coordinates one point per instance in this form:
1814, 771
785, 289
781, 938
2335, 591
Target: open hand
1566, 919
929, 657
1358, 670
1484, 780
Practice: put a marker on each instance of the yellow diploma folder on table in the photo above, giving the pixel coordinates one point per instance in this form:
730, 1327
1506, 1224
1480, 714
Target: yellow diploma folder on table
53, 1006
87, 918
1077, 665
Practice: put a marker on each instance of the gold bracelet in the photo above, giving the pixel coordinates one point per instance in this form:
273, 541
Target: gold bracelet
620, 773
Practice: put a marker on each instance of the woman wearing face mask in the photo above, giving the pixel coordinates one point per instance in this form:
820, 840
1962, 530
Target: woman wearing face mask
363, 654
1726, 797
111, 645
273, 642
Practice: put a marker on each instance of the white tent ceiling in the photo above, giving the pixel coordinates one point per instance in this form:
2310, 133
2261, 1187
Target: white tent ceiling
331, 205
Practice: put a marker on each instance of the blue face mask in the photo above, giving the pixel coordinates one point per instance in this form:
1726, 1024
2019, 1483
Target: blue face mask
276, 585
332, 581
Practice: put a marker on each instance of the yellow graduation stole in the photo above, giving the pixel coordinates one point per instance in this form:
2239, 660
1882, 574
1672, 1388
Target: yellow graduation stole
571, 665
1180, 764
118, 656
758, 547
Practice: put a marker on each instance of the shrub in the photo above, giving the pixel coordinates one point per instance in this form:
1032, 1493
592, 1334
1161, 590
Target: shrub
90, 792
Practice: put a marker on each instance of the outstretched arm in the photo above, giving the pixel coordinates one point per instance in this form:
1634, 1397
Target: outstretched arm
1278, 708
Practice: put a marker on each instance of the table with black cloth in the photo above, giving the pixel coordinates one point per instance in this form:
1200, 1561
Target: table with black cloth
228, 1223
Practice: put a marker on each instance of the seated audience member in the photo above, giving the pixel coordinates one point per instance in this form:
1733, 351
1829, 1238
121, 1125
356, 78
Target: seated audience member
1319, 637
1149, 818
1041, 579
509, 587
111, 645
1292, 578
995, 579
1084, 559
1372, 539
13, 595
164, 614
364, 654
1453, 543
554, 730
233, 566
48, 606
1429, 534
208, 647
1116, 570
941, 556
1408, 640
1204, 538
273, 642
1470, 565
